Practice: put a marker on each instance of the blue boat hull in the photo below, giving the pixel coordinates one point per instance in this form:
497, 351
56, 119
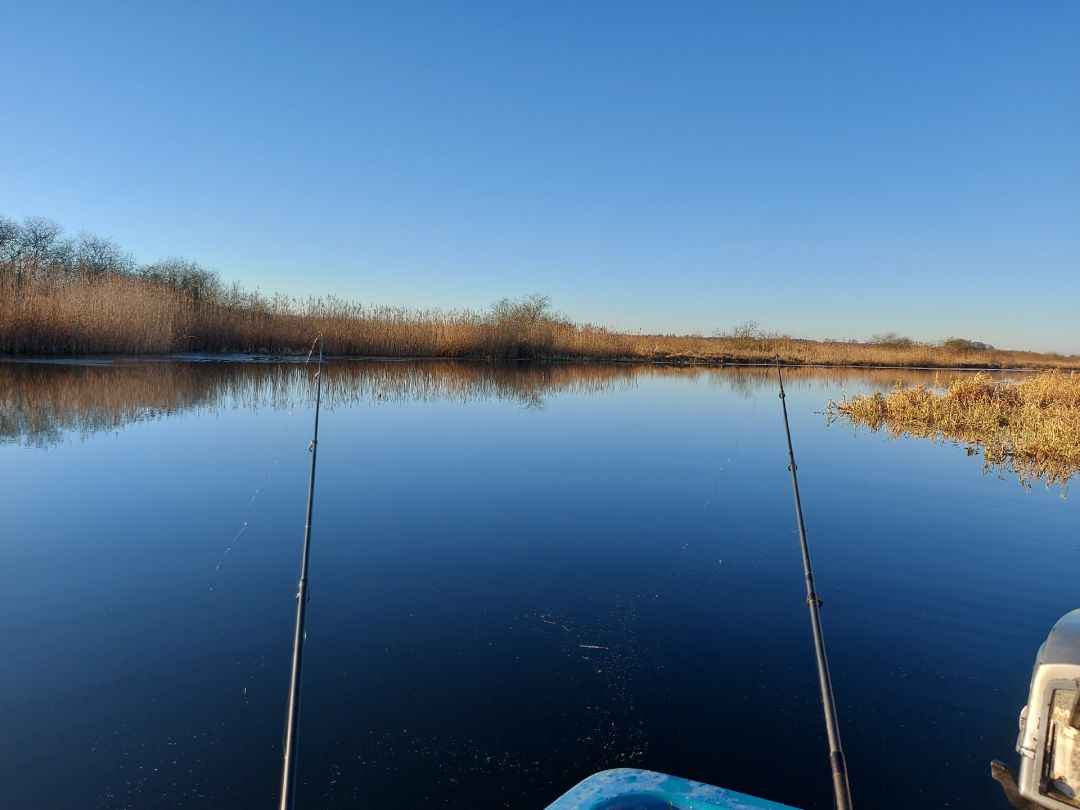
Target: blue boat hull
632, 789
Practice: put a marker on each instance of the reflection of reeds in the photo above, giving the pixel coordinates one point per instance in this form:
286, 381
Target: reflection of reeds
40, 402
1031, 426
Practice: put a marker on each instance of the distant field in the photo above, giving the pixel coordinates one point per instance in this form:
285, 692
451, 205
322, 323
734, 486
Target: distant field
62, 296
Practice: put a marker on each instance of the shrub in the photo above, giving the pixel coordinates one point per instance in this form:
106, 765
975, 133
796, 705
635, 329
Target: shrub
891, 340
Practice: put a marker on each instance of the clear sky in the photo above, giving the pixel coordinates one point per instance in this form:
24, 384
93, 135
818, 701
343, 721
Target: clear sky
829, 169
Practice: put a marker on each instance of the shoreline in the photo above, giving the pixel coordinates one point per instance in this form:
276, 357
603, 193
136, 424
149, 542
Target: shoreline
283, 358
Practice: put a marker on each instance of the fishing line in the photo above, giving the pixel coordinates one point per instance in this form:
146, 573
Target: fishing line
734, 453
270, 473
673, 570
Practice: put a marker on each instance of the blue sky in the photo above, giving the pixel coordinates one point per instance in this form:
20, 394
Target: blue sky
829, 169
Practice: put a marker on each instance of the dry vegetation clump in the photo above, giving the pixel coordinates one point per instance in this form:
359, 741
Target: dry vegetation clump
1031, 426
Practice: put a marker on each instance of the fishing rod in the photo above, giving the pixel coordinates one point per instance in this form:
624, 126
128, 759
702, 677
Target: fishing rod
288, 768
841, 788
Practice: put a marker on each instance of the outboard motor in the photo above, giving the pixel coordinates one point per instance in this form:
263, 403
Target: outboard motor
1049, 740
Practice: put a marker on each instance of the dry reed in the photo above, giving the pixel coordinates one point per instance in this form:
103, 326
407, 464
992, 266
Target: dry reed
1031, 426
117, 313
85, 295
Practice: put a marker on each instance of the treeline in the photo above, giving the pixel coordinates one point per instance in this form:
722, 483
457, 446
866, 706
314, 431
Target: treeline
84, 294
62, 295
37, 250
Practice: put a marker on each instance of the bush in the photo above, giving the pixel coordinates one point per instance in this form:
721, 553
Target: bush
747, 330
891, 340
956, 344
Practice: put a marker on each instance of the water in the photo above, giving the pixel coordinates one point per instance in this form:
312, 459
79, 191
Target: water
520, 575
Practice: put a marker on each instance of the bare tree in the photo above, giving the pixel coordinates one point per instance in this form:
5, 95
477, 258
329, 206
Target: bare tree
747, 330
529, 309
40, 236
9, 237
891, 340
36, 249
185, 275
95, 256
9, 246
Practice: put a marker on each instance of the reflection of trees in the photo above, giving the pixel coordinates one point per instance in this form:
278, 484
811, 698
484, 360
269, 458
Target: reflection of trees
39, 402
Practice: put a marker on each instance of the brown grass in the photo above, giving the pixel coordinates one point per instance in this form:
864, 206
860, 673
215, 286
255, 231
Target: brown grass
120, 313
1031, 426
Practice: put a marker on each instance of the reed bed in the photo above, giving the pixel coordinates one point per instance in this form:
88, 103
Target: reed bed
117, 313
84, 295
1030, 426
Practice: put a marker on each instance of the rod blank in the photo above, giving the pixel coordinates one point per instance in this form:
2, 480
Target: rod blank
288, 768
841, 788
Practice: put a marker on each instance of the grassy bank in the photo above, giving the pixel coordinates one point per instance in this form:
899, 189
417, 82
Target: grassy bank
115, 313
84, 296
1031, 426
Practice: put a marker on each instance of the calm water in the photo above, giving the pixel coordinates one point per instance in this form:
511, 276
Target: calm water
520, 575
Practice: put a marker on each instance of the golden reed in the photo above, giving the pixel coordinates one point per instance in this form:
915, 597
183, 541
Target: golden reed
1031, 426
119, 313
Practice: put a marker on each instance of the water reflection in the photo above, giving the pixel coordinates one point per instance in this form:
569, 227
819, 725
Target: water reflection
42, 402
506, 598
